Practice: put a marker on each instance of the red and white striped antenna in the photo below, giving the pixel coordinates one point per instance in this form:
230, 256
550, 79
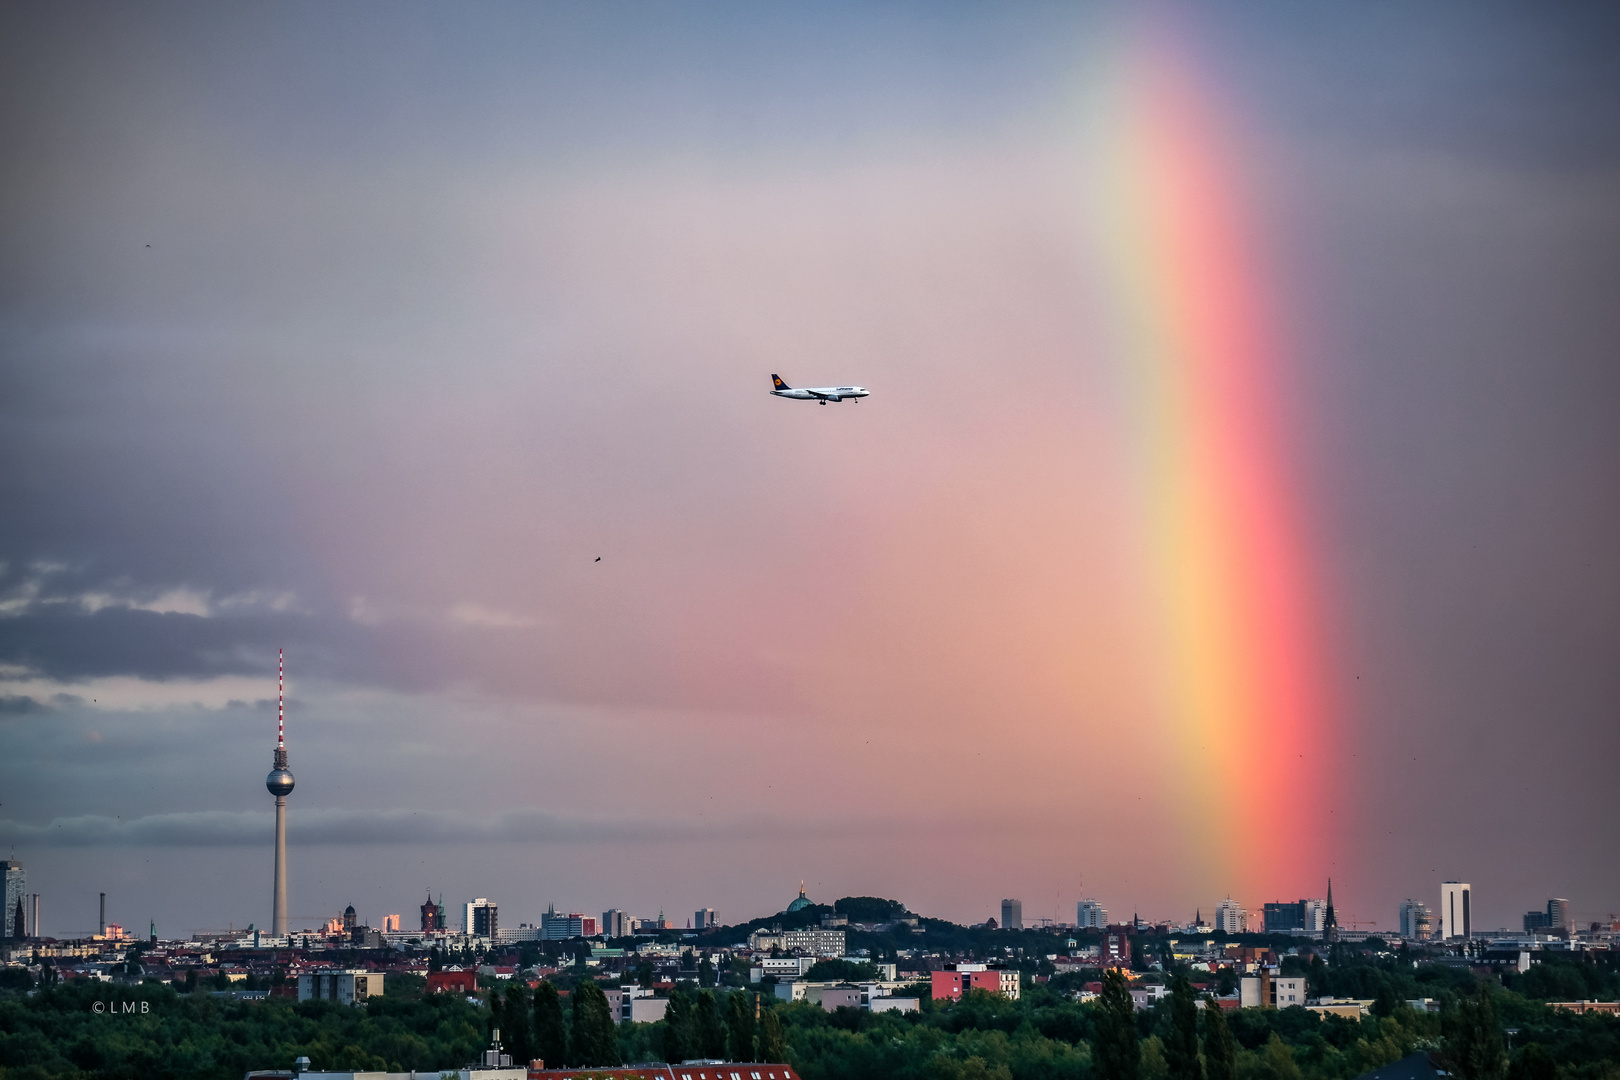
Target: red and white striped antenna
281, 711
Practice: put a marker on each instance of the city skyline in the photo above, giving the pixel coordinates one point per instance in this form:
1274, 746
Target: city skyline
1233, 508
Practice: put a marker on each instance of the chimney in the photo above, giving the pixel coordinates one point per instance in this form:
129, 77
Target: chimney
103, 923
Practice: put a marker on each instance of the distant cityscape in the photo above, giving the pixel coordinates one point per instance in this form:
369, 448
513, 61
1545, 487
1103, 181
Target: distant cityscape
348, 958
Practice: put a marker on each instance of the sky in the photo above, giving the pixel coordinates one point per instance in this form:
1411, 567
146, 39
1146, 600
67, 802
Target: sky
1235, 505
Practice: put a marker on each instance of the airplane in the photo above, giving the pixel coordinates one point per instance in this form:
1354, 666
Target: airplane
822, 394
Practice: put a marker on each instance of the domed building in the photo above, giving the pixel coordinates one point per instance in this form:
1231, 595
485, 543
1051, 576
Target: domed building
800, 902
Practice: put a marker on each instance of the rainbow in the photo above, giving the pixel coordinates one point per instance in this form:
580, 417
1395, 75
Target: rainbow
1187, 322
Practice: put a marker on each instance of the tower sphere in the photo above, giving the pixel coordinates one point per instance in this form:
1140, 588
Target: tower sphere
279, 782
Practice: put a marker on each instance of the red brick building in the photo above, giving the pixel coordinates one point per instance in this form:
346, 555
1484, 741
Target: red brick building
454, 982
953, 984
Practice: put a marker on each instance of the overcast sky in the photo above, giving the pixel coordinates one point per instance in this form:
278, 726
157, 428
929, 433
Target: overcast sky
363, 330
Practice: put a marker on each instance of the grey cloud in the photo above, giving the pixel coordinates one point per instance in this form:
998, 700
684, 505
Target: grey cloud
220, 828
62, 641
18, 704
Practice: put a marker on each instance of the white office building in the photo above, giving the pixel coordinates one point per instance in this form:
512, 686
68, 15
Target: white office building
470, 921
1090, 915
1230, 917
1456, 921
813, 942
1271, 991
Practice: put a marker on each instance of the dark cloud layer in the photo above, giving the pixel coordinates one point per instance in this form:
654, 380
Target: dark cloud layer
335, 826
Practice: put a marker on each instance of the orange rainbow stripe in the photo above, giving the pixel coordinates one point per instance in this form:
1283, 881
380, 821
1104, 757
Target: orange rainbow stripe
1239, 625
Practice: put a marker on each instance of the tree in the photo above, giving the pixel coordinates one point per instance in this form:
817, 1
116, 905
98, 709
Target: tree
1116, 1050
1386, 1000
1533, 1063
495, 1012
740, 1025
711, 1033
680, 1041
595, 1038
1181, 1047
550, 1036
1278, 1059
1316, 978
1220, 1049
773, 1048
1473, 1038
516, 1029
706, 972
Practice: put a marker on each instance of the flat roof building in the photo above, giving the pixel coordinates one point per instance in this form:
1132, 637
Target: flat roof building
1456, 920
345, 986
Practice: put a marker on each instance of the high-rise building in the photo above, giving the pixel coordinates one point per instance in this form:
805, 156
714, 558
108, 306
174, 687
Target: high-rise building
16, 880
1282, 917
1456, 920
1535, 920
390, 924
558, 926
703, 919
1012, 914
1416, 921
1230, 917
1295, 916
1090, 915
467, 913
486, 920
280, 784
616, 923
1557, 914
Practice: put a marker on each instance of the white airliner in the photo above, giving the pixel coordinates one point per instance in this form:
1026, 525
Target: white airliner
822, 394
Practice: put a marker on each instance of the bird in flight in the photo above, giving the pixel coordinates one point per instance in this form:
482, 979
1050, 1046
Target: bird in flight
599, 558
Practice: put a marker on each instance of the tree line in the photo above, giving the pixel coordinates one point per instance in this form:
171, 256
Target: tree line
56, 1031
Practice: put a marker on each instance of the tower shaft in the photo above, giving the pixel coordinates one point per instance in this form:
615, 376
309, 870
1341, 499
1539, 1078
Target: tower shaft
278, 914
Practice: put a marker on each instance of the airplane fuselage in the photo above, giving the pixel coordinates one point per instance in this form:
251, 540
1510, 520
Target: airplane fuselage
822, 394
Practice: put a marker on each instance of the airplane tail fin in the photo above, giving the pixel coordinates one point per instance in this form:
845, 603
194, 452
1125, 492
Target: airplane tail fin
776, 381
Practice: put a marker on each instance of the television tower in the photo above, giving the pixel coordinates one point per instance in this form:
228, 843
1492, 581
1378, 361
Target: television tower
280, 784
